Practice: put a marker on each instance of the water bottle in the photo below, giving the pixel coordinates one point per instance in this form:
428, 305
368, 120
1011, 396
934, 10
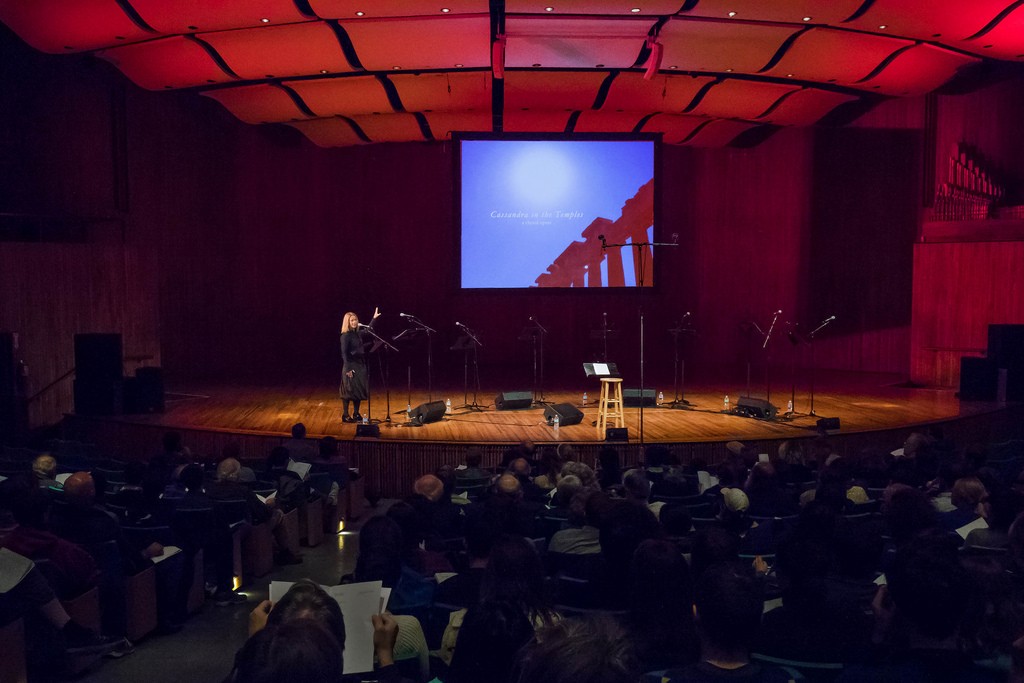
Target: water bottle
725, 404
408, 410
366, 419
789, 406
556, 422
584, 399
448, 406
661, 397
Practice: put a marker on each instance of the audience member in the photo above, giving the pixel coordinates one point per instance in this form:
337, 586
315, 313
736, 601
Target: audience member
44, 467
299, 447
491, 634
585, 650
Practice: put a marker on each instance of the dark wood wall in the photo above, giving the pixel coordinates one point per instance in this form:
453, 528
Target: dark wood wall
248, 243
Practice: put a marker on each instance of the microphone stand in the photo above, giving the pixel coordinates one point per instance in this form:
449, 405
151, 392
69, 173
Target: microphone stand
538, 389
380, 343
768, 358
641, 251
420, 325
679, 365
475, 343
810, 341
747, 332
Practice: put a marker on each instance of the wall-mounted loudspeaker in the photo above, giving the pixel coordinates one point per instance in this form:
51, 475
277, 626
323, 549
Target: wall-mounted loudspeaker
513, 400
567, 413
756, 407
427, 412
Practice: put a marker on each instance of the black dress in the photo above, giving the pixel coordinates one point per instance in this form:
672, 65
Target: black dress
356, 387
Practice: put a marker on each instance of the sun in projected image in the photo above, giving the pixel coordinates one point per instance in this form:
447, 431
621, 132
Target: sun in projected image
541, 175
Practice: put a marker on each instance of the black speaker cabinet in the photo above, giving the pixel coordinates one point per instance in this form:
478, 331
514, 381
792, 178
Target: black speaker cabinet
616, 434
427, 412
98, 357
98, 397
144, 393
631, 397
567, 413
756, 407
978, 378
369, 431
513, 400
1006, 346
828, 423
8, 365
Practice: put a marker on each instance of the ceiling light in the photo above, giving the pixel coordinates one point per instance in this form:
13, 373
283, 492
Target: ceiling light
265, 20
445, 10
732, 14
323, 71
673, 67
807, 18
883, 27
396, 68
536, 64
360, 13
549, 9
728, 71
458, 66
635, 10
789, 75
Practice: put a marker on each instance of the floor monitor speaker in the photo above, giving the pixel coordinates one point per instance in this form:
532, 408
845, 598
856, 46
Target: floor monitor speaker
427, 412
756, 407
616, 434
370, 431
978, 378
513, 400
631, 397
828, 423
98, 357
567, 413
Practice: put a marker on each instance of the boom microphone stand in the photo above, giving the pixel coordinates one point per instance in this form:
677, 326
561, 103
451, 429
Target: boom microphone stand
810, 341
421, 326
379, 343
469, 342
679, 365
642, 253
768, 357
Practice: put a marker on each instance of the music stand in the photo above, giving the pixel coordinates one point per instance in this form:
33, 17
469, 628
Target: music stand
378, 344
407, 337
679, 367
601, 370
468, 343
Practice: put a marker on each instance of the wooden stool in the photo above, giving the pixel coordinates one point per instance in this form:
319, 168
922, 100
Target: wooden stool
609, 408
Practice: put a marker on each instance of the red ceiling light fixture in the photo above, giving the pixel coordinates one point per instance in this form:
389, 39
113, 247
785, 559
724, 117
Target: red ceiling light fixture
498, 56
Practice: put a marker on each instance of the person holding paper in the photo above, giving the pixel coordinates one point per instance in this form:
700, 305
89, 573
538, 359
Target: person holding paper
355, 383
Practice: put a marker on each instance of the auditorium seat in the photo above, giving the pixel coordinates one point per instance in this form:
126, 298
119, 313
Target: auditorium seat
140, 598
12, 653
311, 523
291, 532
258, 551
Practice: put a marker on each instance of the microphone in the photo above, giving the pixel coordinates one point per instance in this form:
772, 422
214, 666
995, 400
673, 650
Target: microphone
362, 325
531, 319
460, 325
406, 315
778, 312
831, 318
686, 315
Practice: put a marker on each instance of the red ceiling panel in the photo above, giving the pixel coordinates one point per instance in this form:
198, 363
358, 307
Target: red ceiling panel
430, 43
673, 127
951, 20
174, 62
515, 121
447, 92
741, 99
443, 124
187, 16
720, 45
718, 133
607, 122
331, 132
257, 103
919, 70
390, 127
270, 52
346, 9
631, 92
646, 7
60, 26
1004, 41
564, 42
347, 96
828, 55
806, 107
566, 90
787, 11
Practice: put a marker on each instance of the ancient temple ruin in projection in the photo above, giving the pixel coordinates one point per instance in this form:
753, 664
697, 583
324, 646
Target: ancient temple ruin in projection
580, 264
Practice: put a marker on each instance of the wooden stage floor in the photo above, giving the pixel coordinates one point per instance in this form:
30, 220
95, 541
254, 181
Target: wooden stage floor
862, 402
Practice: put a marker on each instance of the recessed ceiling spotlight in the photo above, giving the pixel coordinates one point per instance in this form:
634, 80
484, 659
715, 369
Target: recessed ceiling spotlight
732, 14
323, 71
445, 10
728, 71
635, 10
265, 20
807, 18
673, 67
458, 66
396, 67
536, 64
789, 75
360, 13
882, 27
549, 9
599, 66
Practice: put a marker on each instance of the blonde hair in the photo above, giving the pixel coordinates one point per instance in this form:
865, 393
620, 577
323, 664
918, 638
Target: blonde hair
346, 322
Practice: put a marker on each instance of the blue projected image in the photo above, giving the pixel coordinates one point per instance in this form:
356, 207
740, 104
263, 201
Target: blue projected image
532, 212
